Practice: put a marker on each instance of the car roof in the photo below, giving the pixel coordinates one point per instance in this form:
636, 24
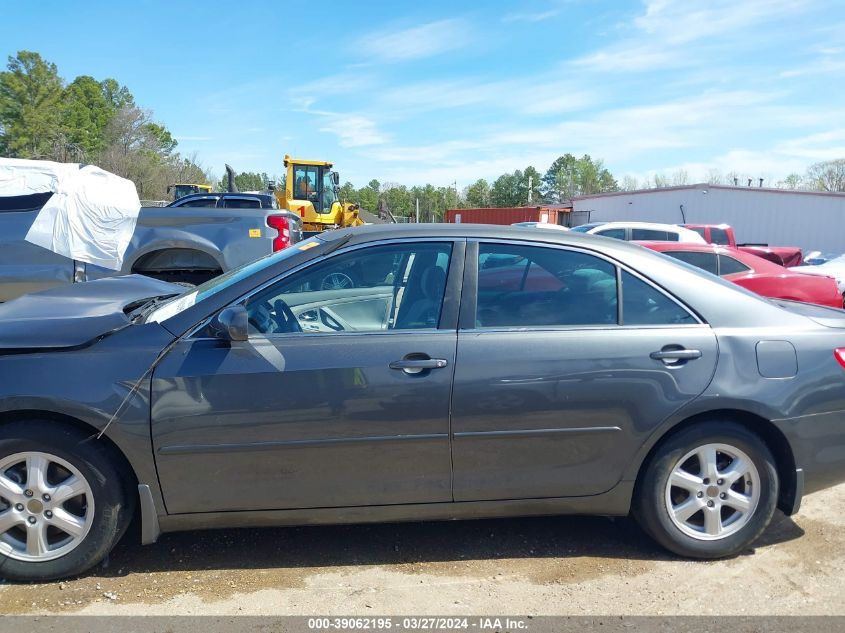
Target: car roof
375, 232
643, 225
226, 194
685, 246
757, 264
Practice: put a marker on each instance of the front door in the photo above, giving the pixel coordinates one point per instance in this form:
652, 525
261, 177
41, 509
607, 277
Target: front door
339, 398
556, 383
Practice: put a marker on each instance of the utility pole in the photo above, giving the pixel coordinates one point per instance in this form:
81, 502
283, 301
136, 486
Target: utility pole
418, 210
530, 185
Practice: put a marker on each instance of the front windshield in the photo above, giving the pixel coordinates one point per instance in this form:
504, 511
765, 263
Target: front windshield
837, 261
329, 192
182, 302
585, 227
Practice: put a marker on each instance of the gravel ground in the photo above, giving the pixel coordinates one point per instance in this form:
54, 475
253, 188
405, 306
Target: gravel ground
542, 566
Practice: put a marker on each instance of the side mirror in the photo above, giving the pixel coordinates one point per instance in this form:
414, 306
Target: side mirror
336, 178
231, 324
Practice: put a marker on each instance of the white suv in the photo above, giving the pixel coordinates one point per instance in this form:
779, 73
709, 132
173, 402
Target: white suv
643, 231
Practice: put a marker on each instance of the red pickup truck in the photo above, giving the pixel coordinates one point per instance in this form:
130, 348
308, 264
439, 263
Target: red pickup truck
723, 235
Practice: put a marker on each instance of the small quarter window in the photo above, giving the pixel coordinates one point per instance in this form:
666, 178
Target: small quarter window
731, 266
642, 304
704, 261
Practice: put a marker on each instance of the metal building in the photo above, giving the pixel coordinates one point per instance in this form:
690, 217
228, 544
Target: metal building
778, 217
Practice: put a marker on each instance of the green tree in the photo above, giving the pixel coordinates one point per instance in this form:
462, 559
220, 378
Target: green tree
118, 96
397, 198
347, 191
86, 113
367, 197
532, 175
569, 176
477, 194
159, 138
30, 106
246, 181
506, 190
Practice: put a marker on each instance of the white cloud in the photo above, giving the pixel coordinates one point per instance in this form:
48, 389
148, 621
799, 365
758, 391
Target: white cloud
538, 16
824, 66
352, 130
417, 42
540, 94
671, 33
711, 122
622, 133
828, 145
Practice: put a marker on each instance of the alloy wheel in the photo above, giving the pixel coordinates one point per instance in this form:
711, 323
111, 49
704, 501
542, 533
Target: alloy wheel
712, 492
46, 506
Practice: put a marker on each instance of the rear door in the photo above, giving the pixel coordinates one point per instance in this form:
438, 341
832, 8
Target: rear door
563, 371
25, 267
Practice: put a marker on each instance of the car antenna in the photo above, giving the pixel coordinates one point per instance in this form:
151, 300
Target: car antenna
340, 242
116, 415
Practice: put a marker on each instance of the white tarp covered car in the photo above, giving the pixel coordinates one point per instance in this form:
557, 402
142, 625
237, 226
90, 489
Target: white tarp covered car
91, 215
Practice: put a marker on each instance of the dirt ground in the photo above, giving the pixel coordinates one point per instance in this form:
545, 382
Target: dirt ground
537, 566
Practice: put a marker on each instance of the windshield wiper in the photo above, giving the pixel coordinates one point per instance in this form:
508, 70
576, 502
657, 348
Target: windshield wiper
140, 309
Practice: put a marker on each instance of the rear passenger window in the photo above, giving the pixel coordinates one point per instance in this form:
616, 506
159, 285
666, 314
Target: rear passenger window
719, 236
642, 304
653, 235
730, 266
200, 202
520, 286
704, 261
617, 234
240, 203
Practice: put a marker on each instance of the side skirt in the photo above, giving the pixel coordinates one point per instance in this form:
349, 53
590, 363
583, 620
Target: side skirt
615, 502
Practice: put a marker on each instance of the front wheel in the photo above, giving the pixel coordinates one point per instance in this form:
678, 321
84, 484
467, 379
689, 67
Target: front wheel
708, 491
62, 503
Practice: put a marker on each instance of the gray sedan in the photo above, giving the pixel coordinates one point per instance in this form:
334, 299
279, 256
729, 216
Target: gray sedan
427, 372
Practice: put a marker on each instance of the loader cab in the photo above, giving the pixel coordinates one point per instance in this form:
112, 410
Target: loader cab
181, 189
314, 183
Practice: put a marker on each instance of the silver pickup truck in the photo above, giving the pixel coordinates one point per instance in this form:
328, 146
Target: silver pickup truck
179, 243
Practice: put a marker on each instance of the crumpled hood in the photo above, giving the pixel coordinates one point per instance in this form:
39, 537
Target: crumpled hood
75, 314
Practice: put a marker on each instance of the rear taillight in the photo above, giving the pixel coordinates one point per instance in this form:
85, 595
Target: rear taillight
839, 355
282, 225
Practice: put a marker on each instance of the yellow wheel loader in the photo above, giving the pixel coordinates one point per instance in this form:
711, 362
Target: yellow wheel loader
181, 189
311, 190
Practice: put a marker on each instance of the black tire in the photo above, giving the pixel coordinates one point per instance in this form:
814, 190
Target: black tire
650, 505
113, 502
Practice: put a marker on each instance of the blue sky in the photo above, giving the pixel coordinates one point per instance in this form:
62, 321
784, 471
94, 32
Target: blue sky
440, 91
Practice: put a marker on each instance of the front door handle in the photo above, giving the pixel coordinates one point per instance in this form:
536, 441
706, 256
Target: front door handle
419, 365
671, 356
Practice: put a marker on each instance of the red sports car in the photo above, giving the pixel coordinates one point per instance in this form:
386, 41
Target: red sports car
755, 273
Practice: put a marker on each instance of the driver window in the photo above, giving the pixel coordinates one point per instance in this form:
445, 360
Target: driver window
305, 183
391, 287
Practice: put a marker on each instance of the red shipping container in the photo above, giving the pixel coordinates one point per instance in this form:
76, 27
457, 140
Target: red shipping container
508, 215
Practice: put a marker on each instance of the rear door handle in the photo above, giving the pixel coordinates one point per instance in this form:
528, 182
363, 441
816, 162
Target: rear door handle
676, 354
418, 365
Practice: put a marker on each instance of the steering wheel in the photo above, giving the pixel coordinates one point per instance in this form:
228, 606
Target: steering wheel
336, 281
285, 319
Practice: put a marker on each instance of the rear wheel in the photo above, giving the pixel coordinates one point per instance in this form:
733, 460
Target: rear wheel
709, 491
62, 503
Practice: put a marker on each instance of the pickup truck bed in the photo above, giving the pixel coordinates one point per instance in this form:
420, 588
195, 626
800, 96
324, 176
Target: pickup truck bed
186, 244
